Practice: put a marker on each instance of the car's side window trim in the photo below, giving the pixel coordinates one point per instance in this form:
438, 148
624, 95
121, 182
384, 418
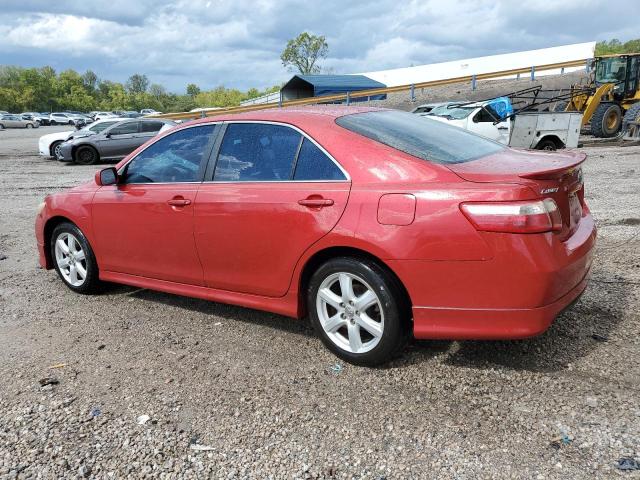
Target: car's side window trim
203, 166
216, 152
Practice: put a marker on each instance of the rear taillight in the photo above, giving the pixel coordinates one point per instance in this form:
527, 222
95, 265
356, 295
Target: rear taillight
534, 216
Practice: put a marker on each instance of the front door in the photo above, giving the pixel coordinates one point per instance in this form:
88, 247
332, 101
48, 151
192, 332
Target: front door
274, 193
144, 225
118, 140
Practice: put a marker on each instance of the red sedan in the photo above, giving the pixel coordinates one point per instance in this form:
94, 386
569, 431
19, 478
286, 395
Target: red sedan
378, 224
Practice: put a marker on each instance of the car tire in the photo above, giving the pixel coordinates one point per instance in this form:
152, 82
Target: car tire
70, 122
546, 144
28, 125
53, 148
86, 155
1, 126
358, 310
73, 259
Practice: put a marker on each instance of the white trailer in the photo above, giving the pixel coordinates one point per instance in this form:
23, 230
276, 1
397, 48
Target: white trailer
527, 129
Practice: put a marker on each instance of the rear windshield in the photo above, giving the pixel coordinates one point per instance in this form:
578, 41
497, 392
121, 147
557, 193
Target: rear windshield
419, 136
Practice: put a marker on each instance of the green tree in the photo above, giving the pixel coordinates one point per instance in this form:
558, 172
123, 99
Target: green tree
193, 90
616, 47
137, 83
90, 80
303, 53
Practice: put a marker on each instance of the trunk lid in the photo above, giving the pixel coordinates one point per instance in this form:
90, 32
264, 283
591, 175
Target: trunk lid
550, 175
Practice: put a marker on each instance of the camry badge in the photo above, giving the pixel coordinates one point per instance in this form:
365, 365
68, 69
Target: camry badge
549, 190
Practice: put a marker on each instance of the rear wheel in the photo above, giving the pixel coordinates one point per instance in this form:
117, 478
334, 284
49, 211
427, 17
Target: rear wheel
74, 259
28, 125
631, 115
358, 310
606, 120
86, 155
546, 144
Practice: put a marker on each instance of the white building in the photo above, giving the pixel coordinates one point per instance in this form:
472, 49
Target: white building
489, 64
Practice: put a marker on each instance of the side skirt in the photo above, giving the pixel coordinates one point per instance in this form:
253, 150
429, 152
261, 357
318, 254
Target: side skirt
287, 305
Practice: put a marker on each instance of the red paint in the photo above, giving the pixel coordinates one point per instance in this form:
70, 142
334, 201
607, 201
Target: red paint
248, 243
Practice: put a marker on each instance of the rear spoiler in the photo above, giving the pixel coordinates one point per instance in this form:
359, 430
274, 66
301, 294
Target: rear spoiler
566, 163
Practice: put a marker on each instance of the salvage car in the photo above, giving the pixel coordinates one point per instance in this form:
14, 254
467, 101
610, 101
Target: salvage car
16, 121
112, 143
49, 145
377, 224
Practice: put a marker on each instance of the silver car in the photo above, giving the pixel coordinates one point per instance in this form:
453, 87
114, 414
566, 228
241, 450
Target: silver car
113, 143
16, 121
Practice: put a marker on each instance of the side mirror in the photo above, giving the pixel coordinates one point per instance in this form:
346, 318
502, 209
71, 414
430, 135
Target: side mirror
107, 135
107, 176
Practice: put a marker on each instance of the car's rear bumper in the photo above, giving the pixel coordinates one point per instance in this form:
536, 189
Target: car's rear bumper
515, 294
490, 324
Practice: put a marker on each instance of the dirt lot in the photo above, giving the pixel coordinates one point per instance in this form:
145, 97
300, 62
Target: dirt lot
266, 399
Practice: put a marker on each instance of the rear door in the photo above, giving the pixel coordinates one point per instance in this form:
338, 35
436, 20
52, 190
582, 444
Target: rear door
271, 194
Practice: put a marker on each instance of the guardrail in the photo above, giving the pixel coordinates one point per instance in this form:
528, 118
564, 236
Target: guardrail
377, 91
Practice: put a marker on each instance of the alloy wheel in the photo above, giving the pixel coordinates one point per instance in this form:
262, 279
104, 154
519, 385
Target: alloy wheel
71, 259
350, 312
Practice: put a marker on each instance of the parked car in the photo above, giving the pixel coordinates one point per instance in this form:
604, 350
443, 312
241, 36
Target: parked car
113, 143
149, 111
375, 223
36, 116
130, 114
63, 118
103, 115
49, 144
16, 121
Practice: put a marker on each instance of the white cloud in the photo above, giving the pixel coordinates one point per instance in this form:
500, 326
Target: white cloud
238, 43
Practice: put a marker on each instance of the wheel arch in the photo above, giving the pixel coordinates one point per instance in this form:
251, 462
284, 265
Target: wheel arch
325, 254
49, 226
554, 138
75, 148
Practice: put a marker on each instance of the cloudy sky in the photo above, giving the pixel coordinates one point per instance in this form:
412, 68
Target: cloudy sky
238, 43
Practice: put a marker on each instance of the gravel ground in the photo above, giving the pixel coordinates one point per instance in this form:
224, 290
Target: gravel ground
235, 393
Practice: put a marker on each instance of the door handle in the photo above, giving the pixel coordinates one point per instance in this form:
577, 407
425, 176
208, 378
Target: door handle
179, 202
503, 128
316, 202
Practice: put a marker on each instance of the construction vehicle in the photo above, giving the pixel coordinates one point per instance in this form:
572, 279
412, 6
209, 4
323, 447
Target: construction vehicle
611, 100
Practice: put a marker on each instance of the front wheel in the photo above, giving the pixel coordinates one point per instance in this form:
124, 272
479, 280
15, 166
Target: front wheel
606, 120
29, 125
54, 150
86, 155
74, 259
358, 310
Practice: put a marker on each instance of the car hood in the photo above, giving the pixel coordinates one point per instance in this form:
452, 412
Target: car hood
57, 136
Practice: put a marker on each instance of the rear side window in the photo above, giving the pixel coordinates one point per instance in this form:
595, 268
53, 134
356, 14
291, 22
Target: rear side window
178, 157
314, 164
256, 152
150, 127
419, 136
125, 129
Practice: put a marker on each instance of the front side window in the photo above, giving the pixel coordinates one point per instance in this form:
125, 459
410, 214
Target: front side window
125, 129
314, 164
97, 128
179, 157
253, 152
419, 136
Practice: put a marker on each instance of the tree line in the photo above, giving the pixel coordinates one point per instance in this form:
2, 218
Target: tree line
616, 47
44, 90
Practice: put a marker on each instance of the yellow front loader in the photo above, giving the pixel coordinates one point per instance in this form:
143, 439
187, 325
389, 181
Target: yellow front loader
612, 100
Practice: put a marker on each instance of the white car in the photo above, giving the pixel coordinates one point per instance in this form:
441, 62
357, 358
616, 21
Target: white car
48, 144
149, 111
104, 115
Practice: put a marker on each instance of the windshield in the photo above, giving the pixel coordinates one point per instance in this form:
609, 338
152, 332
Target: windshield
453, 112
611, 70
420, 136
